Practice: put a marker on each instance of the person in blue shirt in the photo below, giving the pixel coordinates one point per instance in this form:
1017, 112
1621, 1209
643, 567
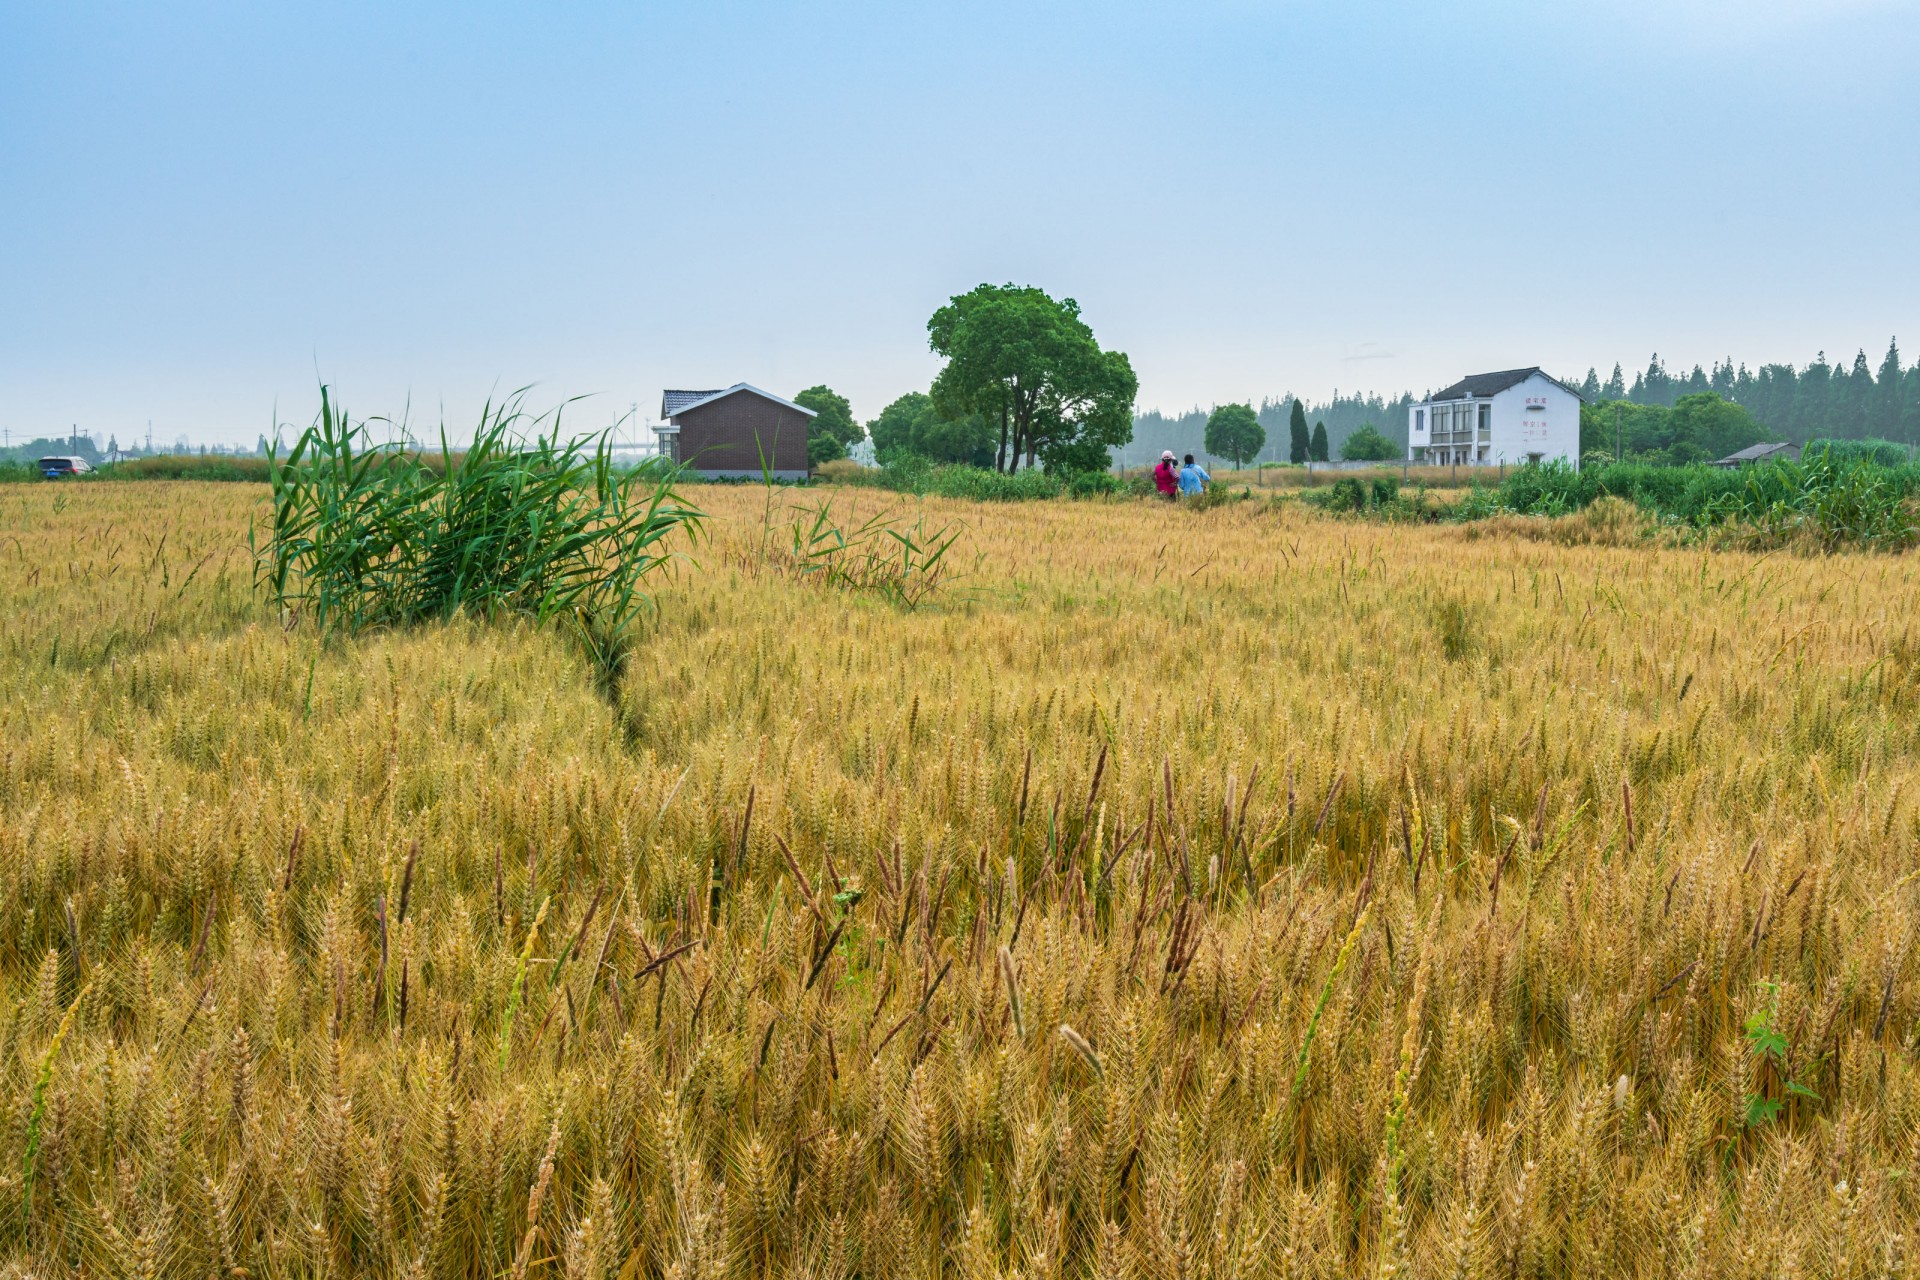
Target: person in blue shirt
1193, 477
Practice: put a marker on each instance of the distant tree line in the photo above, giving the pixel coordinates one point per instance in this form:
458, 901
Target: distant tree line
53, 446
1819, 401
1341, 417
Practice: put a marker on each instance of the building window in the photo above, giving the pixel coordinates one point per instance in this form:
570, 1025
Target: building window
1486, 420
1419, 419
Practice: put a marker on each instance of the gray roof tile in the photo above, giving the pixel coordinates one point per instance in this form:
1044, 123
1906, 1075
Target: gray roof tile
1480, 385
1485, 384
670, 407
672, 402
1755, 452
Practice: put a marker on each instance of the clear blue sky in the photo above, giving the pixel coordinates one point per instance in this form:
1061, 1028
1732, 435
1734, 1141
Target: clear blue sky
205, 207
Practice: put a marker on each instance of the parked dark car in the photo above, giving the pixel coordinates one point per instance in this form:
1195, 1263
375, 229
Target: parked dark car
56, 468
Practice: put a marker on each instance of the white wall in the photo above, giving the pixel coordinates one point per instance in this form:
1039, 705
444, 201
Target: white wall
1536, 416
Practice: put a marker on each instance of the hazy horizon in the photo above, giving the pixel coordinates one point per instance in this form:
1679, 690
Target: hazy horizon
210, 209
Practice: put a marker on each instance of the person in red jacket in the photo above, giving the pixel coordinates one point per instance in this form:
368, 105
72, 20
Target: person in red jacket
1166, 476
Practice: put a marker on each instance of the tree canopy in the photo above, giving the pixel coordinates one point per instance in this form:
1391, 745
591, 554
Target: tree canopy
1697, 428
1317, 450
1368, 445
912, 426
1299, 441
833, 429
1029, 366
1234, 431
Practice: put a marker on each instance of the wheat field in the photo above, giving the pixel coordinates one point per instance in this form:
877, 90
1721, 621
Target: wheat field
1239, 893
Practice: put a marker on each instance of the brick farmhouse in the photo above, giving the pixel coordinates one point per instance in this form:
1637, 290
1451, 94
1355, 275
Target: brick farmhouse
735, 433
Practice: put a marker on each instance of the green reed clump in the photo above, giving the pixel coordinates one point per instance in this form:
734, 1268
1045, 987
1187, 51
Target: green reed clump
522, 523
1831, 499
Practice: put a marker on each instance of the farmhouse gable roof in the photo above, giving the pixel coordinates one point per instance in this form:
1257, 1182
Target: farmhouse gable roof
1481, 385
675, 403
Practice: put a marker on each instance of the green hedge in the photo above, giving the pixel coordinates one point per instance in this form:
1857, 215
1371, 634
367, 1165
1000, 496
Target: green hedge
187, 466
919, 477
182, 466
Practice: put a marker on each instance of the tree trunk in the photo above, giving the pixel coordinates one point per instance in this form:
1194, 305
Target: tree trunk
1000, 458
1022, 434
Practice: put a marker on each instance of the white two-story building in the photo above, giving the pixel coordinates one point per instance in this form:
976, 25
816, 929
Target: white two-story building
1519, 415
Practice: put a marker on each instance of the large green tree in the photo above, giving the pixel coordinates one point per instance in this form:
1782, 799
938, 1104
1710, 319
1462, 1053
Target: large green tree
896, 430
1030, 367
1368, 445
912, 426
1712, 426
833, 429
1317, 450
1234, 431
1297, 429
